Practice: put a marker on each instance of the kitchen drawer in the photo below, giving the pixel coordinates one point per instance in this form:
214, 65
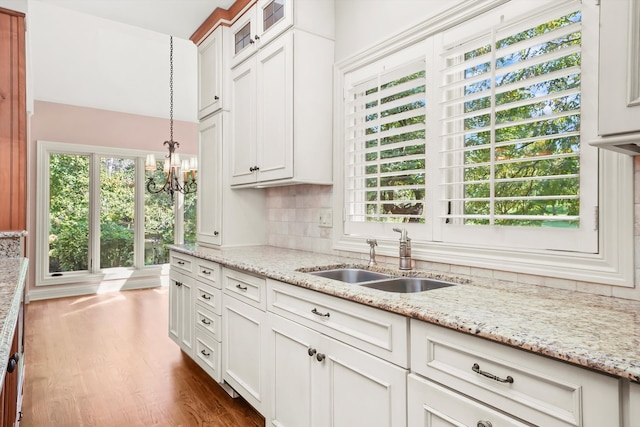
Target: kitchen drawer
209, 321
533, 388
375, 331
209, 296
429, 404
208, 271
207, 354
245, 287
181, 262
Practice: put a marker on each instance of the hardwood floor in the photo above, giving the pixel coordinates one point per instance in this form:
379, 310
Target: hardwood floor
106, 360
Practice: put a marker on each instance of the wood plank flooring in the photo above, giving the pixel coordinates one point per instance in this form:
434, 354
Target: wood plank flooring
106, 360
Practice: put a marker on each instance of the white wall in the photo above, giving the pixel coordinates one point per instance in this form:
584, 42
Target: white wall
18, 5
82, 60
361, 24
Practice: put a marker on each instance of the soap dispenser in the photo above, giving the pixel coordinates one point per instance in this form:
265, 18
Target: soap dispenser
405, 249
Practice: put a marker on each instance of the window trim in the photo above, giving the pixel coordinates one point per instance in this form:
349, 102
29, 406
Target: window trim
612, 265
94, 275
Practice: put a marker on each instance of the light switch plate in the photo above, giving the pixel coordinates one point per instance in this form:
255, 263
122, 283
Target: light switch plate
325, 217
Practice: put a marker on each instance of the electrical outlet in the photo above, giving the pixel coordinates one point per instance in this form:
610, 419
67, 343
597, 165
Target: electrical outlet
325, 217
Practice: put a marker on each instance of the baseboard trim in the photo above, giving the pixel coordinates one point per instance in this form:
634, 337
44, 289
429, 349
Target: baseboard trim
50, 292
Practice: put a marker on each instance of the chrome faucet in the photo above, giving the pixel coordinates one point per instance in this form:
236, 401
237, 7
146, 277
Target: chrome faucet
372, 251
405, 249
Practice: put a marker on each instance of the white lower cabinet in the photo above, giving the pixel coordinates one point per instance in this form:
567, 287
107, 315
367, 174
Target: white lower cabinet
244, 340
318, 381
530, 388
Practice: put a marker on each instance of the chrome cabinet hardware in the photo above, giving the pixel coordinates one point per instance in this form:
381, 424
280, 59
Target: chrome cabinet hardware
311, 351
317, 313
242, 288
476, 368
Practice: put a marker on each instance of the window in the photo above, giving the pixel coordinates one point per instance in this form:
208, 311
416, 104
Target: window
472, 131
97, 219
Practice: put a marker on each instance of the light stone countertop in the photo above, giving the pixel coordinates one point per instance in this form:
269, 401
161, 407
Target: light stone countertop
12, 280
597, 332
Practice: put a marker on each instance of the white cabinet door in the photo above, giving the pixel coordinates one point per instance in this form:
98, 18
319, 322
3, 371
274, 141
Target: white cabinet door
619, 81
244, 340
243, 123
275, 110
243, 37
210, 180
273, 17
292, 365
210, 72
359, 389
181, 322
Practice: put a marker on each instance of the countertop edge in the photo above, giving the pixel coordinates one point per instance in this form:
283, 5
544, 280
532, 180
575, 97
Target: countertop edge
9, 325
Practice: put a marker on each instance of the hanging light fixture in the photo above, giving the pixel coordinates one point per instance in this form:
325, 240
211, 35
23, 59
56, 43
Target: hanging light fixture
172, 165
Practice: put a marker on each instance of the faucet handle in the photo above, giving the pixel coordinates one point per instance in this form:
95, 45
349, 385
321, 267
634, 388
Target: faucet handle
403, 233
372, 242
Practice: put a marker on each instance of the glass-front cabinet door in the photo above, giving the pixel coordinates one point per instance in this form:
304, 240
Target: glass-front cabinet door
273, 17
243, 41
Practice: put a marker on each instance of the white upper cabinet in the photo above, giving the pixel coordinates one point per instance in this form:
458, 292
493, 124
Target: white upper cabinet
267, 19
619, 79
282, 113
211, 68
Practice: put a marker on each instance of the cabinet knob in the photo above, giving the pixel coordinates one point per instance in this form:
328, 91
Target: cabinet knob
215, 233
484, 424
257, 37
251, 41
216, 98
13, 362
311, 351
320, 357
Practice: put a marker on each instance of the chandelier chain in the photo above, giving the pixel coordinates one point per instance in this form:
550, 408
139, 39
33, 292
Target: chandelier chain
171, 88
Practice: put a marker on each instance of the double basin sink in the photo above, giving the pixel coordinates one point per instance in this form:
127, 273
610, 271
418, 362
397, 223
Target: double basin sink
381, 281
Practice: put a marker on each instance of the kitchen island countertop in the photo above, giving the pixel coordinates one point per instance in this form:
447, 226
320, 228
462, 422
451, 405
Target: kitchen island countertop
597, 332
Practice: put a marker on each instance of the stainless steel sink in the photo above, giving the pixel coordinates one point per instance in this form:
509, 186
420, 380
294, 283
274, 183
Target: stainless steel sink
407, 284
351, 275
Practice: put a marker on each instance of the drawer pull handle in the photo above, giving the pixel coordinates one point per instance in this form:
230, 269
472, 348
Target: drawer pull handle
205, 321
242, 288
311, 351
476, 368
205, 296
181, 262
320, 357
207, 272
317, 313
205, 354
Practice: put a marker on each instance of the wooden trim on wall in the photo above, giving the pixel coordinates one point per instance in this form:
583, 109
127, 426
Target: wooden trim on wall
13, 122
219, 17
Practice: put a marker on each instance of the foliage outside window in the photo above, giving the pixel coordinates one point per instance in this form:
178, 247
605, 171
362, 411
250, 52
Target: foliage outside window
72, 195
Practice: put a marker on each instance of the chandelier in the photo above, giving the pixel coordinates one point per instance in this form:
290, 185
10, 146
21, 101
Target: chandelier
175, 182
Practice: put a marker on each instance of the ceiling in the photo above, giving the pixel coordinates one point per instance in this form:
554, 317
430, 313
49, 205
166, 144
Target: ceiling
179, 18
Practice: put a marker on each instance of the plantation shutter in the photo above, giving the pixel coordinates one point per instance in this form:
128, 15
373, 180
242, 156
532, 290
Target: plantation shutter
510, 144
385, 148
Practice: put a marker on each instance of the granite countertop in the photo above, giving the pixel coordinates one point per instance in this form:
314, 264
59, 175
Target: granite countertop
12, 279
597, 332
